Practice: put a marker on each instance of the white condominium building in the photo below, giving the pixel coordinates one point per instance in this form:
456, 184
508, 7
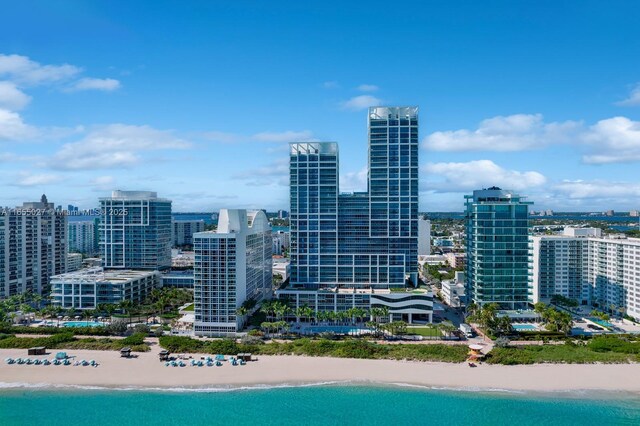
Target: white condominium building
33, 247
581, 264
232, 265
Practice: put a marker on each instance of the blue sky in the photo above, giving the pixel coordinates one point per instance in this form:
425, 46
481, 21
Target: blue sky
197, 100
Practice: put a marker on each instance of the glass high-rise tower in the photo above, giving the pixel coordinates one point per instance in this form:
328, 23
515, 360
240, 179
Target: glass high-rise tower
363, 239
135, 231
498, 249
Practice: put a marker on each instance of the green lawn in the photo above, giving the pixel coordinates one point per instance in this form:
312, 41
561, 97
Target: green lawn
189, 308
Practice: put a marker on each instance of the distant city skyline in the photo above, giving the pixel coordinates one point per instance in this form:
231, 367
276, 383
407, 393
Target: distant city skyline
199, 103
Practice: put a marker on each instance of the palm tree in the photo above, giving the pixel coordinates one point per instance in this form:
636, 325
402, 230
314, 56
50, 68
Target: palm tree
126, 306
307, 312
267, 308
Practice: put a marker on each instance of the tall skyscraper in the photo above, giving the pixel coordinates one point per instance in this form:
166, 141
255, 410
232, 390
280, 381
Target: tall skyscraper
135, 231
358, 241
82, 237
498, 254
33, 247
232, 265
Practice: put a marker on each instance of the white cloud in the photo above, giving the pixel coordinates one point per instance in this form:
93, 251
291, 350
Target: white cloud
516, 132
599, 189
461, 177
103, 84
354, 181
11, 97
633, 99
103, 183
614, 140
287, 136
114, 146
367, 88
361, 102
29, 179
330, 85
13, 128
23, 70
276, 173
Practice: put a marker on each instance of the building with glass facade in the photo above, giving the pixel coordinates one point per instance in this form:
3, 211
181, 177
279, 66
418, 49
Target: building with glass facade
183, 231
363, 240
135, 231
33, 247
82, 237
498, 250
88, 288
232, 265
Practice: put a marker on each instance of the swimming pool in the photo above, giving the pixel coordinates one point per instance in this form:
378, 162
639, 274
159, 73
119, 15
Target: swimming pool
82, 324
524, 327
338, 329
601, 322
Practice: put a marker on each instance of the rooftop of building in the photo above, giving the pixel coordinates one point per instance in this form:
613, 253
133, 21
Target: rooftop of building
100, 274
495, 194
133, 195
232, 221
392, 112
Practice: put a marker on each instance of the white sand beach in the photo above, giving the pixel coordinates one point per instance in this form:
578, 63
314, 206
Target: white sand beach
147, 371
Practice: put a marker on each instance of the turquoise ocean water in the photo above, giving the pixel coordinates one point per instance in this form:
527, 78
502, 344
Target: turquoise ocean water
313, 405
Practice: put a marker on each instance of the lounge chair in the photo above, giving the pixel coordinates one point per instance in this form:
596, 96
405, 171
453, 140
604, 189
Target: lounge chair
66, 362
210, 363
57, 362
37, 361
9, 360
29, 361
218, 363
46, 362
243, 362
182, 364
193, 362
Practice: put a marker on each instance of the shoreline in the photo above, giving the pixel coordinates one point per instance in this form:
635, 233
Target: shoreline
146, 373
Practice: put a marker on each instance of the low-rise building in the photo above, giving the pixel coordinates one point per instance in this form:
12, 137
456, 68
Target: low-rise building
88, 288
456, 260
281, 266
74, 262
403, 306
453, 291
177, 279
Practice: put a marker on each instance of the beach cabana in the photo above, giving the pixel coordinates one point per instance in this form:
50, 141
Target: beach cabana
39, 350
125, 352
244, 357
